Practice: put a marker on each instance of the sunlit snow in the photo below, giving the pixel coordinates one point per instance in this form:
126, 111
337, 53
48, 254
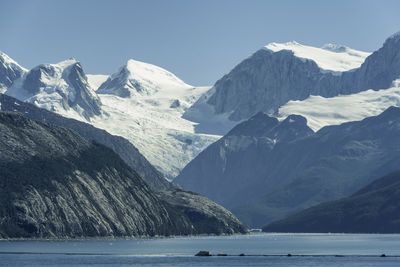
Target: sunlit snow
330, 57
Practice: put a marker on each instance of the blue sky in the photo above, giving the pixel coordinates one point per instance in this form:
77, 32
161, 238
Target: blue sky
197, 40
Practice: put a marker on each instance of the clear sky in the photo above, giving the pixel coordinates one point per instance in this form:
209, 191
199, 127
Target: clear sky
199, 40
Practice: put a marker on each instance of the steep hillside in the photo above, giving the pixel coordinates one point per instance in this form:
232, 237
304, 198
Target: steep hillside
264, 170
54, 183
373, 209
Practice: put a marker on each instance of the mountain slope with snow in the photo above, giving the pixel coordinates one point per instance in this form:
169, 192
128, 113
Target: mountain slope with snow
156, 127
145, 104
321, 111
139, 78
150, 117
279, 73
10, 71
329, 57
96, 80
62, 88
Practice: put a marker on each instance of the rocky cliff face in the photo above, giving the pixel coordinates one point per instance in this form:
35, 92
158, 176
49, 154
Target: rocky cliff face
54, 183
128, 152
373, 209
261, 176
269, 79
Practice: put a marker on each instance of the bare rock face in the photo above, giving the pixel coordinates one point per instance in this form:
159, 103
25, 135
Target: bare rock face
54, 183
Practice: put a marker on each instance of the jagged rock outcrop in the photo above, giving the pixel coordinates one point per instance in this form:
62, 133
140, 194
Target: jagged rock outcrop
54, 183
268, 79
373, 209
61, 87
10, 71
262, 177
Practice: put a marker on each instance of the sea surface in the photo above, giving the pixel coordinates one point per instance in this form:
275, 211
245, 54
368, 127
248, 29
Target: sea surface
259, 249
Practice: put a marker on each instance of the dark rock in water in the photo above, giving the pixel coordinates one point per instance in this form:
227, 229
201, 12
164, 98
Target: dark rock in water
373, 209
222, 254
54, 183
203, 253
242, 254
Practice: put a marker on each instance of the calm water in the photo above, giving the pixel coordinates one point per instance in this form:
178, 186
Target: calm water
268, 250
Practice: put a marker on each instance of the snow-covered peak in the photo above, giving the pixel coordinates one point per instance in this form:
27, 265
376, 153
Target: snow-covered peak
330, 57
60, 87
152, 74
66, 63
6, 60
140, 78
10, 71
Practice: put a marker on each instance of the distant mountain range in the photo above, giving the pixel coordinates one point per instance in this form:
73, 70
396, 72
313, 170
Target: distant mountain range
289, 127
170, 122
373, 209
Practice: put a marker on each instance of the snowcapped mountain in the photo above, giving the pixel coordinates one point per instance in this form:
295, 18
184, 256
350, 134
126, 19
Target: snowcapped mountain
62, 88
145, 104
149, 114
330, 57
139, 78
170, 122
279, 73
10, 71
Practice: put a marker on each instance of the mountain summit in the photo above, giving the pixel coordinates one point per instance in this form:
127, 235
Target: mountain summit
61, 88
137, 77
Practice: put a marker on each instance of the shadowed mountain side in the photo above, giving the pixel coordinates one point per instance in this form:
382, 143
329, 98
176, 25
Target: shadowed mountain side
373, 209
54, 183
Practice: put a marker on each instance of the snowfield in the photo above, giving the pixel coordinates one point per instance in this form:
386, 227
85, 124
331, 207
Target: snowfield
330, 57
321, 111
158, 130
95, 80
144, 103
